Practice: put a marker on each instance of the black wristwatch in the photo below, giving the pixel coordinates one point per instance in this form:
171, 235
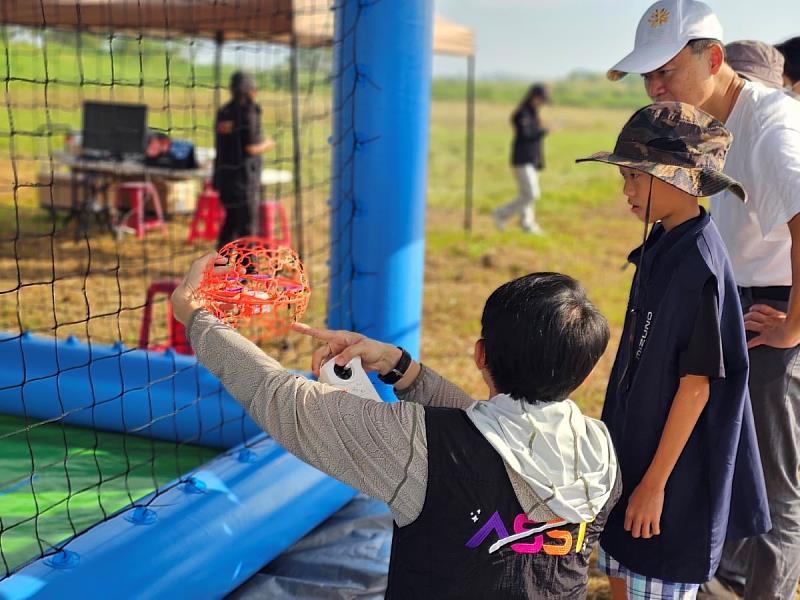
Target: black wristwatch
396, 374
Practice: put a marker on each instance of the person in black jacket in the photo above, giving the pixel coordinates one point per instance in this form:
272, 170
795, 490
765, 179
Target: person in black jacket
527, 159
238, 163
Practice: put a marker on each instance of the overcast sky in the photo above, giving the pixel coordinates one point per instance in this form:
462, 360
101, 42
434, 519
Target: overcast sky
548, 39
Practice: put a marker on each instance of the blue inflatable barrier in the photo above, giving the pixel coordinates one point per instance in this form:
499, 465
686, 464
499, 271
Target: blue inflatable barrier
163, 395
199, 539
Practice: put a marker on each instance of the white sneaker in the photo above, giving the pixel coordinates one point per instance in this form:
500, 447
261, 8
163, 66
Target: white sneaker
534, 229
716, 590
499, 221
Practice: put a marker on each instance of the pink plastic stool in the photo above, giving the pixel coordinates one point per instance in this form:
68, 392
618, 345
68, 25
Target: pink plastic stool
137, 193
208, 216
176, 338
269, 210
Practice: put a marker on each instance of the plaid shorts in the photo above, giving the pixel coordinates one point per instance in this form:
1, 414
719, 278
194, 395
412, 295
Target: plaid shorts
641, 587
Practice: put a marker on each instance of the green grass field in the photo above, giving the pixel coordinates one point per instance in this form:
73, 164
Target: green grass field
589, 230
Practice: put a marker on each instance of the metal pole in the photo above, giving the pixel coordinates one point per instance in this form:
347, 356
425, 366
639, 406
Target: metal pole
219, 38
470, 154
296, 149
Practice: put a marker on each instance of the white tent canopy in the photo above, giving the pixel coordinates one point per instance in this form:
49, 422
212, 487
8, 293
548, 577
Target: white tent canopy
310, 22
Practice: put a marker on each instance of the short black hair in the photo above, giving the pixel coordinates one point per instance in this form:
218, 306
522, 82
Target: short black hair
542, 337
242, 84
537, 90
791, 54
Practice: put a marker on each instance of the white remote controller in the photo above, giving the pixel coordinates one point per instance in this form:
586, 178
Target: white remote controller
351, 378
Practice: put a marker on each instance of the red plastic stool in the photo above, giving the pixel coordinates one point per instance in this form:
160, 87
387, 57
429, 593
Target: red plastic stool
208, 216
269, 210
176, 338
137, 193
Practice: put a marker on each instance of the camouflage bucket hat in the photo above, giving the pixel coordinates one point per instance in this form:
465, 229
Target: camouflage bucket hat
678, 144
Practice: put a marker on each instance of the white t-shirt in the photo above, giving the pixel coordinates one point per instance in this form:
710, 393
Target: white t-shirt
765, 159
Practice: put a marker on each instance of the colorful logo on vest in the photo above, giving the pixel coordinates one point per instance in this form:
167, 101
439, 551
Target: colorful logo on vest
560, 541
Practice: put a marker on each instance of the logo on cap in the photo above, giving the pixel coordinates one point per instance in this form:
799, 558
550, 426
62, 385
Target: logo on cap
659, 17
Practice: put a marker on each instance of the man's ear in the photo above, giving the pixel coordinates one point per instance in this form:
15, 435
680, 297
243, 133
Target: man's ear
480, 354
716, 56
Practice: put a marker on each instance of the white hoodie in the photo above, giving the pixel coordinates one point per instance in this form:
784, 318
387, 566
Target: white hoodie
567, 459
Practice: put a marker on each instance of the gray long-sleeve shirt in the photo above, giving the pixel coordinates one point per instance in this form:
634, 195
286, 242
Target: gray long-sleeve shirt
376, 447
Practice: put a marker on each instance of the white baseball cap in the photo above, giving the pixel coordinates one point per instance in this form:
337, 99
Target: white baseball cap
664, 30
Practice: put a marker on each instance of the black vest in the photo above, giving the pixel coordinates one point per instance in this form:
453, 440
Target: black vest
469, 506
716, 489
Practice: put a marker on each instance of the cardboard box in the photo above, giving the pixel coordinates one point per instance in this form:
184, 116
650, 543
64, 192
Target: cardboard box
178, 196
58, 194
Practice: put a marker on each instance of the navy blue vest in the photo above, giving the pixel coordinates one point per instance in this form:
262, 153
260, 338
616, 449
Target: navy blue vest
717, 486
469, 506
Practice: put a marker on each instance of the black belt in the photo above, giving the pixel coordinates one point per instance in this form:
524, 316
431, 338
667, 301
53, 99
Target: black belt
779, 293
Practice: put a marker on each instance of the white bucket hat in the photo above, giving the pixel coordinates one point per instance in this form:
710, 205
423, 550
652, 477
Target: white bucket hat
664, 30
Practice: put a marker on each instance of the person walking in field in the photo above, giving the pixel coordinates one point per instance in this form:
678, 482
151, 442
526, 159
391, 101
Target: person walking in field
527, 159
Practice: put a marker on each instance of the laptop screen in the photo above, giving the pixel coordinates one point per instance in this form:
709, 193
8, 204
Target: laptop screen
114, 129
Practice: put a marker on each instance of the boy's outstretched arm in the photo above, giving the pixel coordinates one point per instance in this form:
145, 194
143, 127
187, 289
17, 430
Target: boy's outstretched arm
378, 448
643, 515
420, 384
